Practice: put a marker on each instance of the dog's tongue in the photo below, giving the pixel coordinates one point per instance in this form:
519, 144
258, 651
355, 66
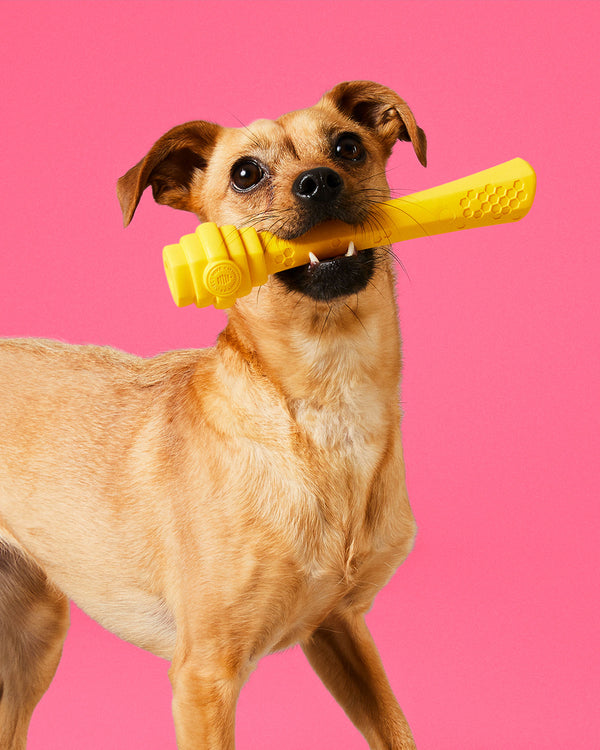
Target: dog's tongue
350, 253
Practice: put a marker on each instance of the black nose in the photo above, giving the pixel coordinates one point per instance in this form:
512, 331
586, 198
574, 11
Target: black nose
321, 185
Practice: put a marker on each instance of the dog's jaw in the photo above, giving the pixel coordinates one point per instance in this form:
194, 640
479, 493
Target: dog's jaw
334, 278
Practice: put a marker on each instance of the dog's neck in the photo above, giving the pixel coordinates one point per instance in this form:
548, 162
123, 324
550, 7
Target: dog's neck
341, 358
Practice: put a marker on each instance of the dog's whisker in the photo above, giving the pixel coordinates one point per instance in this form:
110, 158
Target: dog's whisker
253, 138
355, 314
325, 321
377, 289
405, 212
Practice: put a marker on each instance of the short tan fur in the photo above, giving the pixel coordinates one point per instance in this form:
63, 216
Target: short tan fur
214, 506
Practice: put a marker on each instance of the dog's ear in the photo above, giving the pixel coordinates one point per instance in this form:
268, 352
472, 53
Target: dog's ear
169, 167
380, 109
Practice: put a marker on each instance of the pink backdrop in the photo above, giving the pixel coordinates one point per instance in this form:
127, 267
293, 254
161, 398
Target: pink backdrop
490, 631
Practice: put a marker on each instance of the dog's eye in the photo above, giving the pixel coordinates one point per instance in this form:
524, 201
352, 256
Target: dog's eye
246, 174
349, 147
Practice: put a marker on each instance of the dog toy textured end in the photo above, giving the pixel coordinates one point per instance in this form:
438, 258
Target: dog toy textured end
216, 265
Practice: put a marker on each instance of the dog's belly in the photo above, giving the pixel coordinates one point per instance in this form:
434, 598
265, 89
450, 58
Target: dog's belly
118, 604
138, 618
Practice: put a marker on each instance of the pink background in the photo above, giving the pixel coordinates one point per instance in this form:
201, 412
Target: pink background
490, 631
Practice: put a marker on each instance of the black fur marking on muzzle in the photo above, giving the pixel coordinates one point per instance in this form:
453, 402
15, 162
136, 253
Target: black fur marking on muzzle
332, 278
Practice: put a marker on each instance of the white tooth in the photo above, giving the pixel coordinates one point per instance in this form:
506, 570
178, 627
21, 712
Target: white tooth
351, 250
314, 261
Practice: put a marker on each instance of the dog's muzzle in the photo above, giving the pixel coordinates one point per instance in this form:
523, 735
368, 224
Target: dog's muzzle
319, 192
333, 278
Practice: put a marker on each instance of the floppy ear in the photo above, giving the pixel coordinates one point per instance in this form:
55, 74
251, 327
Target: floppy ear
380, 109
169, 167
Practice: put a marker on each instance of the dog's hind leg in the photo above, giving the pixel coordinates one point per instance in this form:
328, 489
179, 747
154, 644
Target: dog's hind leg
34, 618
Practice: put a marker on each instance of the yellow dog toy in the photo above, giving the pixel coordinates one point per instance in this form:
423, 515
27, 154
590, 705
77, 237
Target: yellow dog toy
216, 265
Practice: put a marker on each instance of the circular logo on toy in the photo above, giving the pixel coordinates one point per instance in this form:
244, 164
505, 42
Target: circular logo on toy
222, 278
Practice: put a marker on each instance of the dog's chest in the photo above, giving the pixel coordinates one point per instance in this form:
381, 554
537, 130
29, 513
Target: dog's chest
345, 569
338, 548
344, 423
306, 501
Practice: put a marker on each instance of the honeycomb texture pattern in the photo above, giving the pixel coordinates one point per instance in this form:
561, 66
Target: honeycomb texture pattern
498, 202
286, 258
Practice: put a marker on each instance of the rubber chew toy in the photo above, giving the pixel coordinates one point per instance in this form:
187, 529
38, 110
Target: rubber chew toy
216, 265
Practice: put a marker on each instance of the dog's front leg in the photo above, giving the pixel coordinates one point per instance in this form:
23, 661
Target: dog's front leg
205, 693
343, 654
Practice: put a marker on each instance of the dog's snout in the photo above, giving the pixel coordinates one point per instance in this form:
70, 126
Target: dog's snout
321, 184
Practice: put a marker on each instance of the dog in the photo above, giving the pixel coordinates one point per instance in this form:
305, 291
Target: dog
217, 505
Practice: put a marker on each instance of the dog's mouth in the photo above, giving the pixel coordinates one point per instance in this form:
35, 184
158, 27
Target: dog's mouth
331, 278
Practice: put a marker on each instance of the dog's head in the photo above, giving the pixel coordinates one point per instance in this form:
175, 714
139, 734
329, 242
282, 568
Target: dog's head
287, 175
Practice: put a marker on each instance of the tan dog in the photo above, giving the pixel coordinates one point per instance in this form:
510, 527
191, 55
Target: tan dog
215, 506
